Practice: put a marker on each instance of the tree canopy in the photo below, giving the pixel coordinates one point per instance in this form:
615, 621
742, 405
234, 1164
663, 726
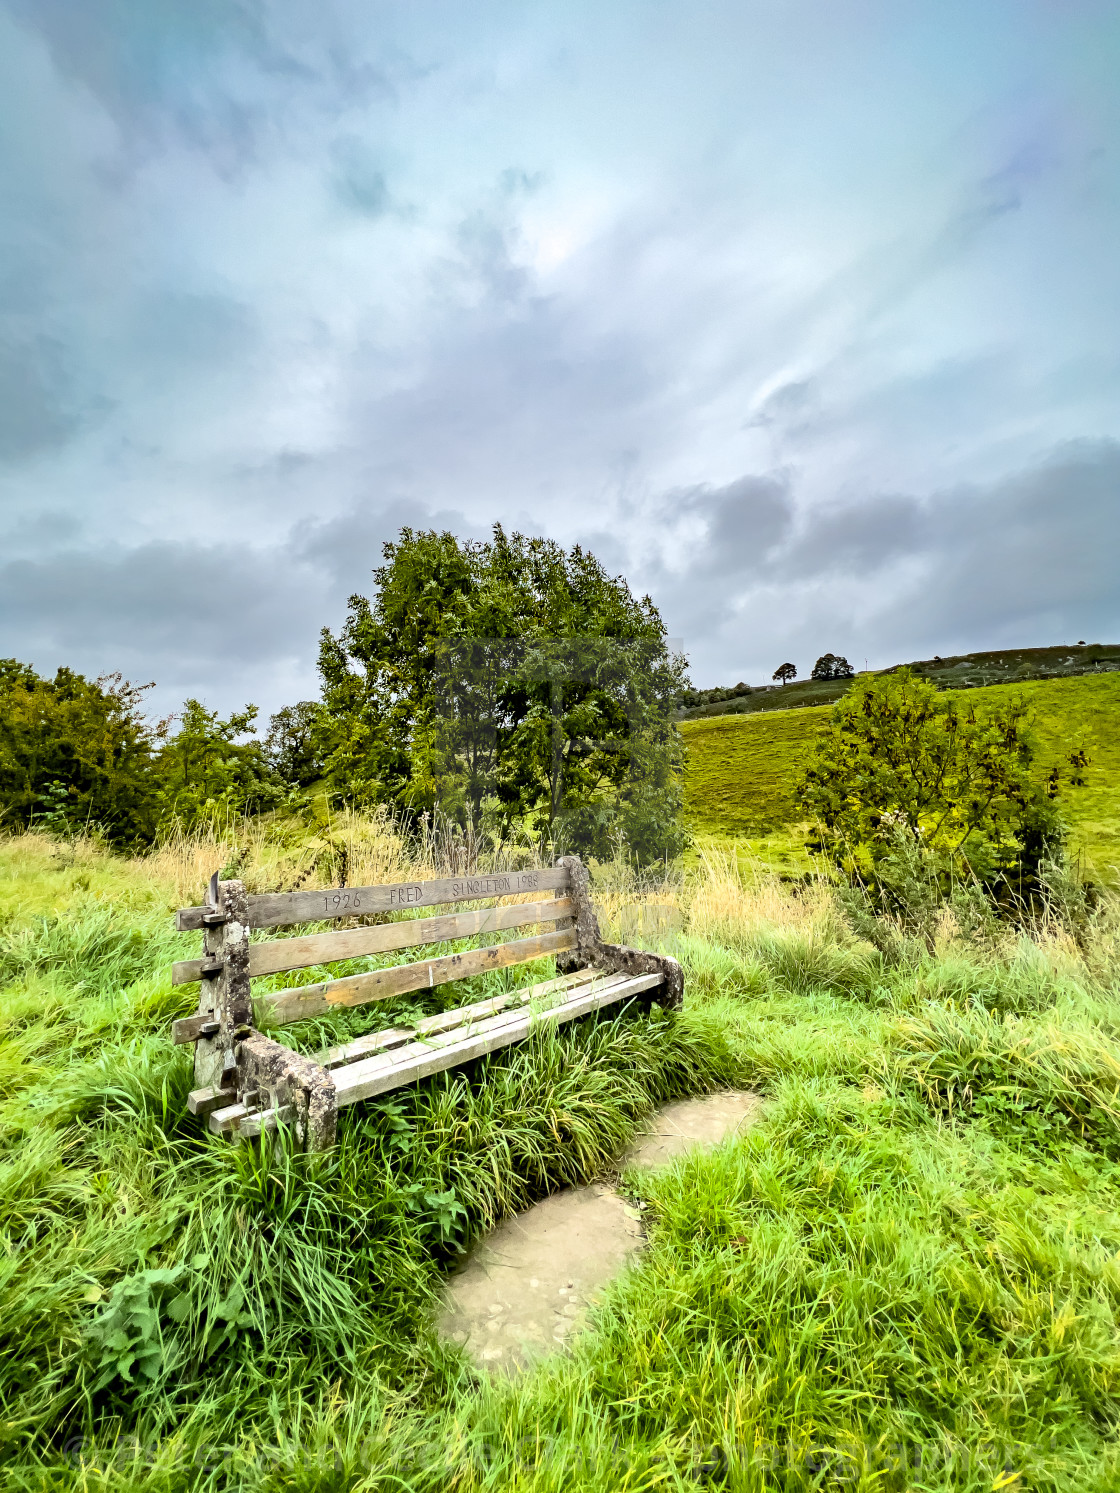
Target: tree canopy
204, 769
832, 666
78, 752
81, 755
508, 678
785, 672
899, 759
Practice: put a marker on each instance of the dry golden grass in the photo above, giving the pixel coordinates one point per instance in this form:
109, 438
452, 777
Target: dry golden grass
730, 894
284, 855
726, 896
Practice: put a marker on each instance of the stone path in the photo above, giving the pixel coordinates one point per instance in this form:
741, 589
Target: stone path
686, 1123
525, 1288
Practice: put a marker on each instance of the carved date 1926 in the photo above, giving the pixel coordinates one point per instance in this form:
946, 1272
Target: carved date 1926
340, 901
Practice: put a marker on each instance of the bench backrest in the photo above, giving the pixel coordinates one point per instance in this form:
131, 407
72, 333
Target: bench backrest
283, 909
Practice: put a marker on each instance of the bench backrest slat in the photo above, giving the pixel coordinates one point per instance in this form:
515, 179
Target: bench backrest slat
354, 943
424, 974
281, 909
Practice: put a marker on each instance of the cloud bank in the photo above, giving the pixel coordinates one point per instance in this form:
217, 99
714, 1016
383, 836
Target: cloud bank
805, 318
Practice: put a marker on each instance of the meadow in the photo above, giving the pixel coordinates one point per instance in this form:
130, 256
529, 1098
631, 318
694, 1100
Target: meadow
961, 671
906, 1276
742, 769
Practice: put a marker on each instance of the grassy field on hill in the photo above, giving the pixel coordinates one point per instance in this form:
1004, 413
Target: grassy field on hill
904, 1278
962, 671
742, 769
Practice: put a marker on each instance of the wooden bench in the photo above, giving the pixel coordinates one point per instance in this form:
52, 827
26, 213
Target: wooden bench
247, 1083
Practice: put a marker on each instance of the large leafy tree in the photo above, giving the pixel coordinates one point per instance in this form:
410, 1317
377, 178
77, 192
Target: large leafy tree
206, 770
383, 674
900, 763
77, 753
297, 743
832, 666
513, 678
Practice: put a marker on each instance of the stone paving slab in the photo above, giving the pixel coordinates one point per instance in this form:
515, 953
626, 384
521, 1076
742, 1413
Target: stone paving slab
524, 1290
687, 1123
525, 1287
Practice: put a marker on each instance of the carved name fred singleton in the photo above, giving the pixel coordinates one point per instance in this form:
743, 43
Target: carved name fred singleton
496, 886
408, 894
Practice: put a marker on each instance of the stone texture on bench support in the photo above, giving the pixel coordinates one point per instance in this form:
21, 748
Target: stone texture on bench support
281, 1077
590, 948
224, 997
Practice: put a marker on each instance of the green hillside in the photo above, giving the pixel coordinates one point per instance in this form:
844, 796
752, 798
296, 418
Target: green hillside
962, 671
741, 769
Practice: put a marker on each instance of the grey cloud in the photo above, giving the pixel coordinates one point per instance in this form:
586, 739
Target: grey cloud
486, 243
38, 409
183, 331
743, 523
210, 621
359, 182
1002, 191
36, 533
787, 405
154, 74
1031, 558
228, 78
515, 405
858, 539
1043, 544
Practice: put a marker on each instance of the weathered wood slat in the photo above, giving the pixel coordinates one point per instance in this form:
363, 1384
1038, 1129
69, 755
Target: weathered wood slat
236, 1119
280, 909
447, 1048
355, 943
376, 1075
190, 1028
222, 1121
203, 1102
356, 990
360, 1047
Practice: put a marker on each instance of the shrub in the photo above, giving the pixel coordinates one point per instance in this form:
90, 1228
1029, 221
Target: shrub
917, 794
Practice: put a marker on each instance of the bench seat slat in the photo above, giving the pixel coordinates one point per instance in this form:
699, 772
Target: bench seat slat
390, 1070
355, 990
349, 1052
466, 1040
281, 954
205, 1101
280, 909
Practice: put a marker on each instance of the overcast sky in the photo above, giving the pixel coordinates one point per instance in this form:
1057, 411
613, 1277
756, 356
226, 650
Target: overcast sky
803, 314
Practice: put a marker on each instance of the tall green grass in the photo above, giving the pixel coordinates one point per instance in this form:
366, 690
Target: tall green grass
741, 769
905, 1277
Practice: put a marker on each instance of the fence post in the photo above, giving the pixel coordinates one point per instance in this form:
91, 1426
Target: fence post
224, 994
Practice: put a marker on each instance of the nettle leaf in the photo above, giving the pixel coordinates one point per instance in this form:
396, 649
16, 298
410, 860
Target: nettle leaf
130, 1332
231, 1305
179, 1309
163, 1277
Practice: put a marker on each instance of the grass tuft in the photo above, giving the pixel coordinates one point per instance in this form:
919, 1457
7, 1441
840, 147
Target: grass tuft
905, 1276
